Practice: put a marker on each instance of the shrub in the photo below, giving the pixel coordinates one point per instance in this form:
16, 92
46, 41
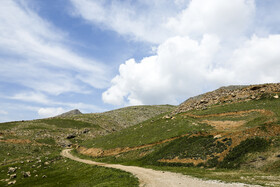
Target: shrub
236, 155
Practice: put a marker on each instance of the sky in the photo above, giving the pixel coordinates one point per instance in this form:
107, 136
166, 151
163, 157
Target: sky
99, 55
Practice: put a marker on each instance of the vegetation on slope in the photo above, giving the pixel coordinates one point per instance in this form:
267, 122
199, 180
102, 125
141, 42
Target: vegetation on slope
124, 117
232, 136
53, 170
238, 141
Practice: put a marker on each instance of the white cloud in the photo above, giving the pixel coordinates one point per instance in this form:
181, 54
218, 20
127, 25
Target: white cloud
257, 61
211, 49
31, 97
184, 67
34, 54
155, 21
221, 17
142, 20
42, 99
50, 112
180, 64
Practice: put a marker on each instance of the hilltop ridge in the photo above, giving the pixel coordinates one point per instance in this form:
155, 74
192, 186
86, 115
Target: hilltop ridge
70, 113
229, 94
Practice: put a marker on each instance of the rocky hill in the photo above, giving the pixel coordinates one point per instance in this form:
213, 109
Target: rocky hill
230, 94
70, 113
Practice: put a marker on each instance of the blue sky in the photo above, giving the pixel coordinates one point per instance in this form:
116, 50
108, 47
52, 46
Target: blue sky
59, 55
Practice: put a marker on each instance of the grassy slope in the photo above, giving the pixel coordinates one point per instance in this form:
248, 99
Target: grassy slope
123, 117
150, 131
45, 137
63, 172
241, 159
160, 128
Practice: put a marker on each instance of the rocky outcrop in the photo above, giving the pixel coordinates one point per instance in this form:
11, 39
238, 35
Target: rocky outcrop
70, 113
230, 94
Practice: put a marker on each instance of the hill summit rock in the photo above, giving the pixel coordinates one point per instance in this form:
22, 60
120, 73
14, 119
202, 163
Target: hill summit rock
70, 113
230, 94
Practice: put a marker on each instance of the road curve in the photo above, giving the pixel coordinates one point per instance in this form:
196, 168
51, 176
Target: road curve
153, 178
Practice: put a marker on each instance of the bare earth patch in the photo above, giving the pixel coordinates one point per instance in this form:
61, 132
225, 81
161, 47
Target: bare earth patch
225, 125
238, 113
16, 141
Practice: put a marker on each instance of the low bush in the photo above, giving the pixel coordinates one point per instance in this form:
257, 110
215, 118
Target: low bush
237, 154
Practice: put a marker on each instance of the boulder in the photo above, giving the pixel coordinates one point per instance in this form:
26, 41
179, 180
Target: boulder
12, 170
71, 136
11, 182
26, 174
13, 176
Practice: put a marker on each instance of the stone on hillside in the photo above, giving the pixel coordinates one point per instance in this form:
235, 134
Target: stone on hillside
26, 174
13, 176
12, 182
85, 131
230, 94
12, 170
71, 136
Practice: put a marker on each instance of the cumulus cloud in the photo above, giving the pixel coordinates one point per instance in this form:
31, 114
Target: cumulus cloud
257, 60
50, 112
183, 67
221, 17
211, 49
179, 64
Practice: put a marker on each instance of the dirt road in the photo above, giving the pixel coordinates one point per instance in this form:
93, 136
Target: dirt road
153, 178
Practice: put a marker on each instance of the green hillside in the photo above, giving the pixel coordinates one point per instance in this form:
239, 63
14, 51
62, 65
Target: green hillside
34, 146
231, 137
230, 134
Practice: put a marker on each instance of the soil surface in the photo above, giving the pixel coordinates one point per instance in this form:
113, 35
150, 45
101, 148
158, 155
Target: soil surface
153, 178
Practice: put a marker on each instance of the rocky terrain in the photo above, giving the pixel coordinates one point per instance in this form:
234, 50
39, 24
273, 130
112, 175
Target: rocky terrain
70, 113
230, 94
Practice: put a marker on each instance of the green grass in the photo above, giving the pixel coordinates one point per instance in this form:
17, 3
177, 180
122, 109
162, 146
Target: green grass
198, 147
150, 131
268, 104
8, 125
16, 151
159, 128
236, 156
49, 141
124, 117
65, 172
68, 123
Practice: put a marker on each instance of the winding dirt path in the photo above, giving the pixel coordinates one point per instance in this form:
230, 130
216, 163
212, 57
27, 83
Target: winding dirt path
153, 178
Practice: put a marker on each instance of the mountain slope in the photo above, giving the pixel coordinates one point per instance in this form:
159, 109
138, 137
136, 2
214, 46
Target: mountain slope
231, 133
